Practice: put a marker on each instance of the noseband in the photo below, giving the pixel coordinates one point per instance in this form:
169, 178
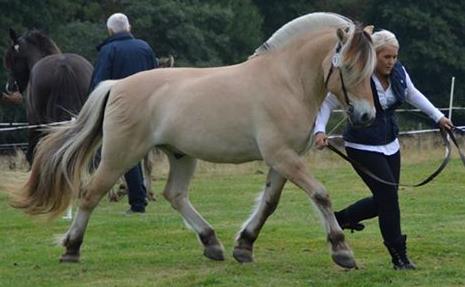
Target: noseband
15, 87
336, 63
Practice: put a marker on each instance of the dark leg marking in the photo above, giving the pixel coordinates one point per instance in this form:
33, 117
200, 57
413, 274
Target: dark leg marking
72, 253
243, 252
212, 247
322, 200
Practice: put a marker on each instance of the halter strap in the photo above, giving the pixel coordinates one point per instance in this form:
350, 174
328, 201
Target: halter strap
335, 64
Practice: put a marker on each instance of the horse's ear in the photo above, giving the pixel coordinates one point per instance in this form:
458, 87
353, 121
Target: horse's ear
342, 35
13, 36
369, 29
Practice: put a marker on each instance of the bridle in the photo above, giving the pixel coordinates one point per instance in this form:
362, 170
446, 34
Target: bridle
15, 87
336, 63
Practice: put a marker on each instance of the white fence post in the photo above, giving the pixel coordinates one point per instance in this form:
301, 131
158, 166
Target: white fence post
451, 100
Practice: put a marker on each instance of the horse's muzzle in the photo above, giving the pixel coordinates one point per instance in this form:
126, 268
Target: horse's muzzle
360, 119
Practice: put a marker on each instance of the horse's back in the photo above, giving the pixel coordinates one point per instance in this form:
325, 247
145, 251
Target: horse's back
59, 86
189, 108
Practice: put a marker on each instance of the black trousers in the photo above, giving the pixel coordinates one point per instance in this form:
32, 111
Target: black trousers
384, 201
137, 193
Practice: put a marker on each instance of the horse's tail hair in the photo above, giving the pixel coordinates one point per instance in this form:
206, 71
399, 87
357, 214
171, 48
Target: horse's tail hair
62, 158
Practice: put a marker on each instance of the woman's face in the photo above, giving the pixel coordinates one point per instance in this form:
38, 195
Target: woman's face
386, 58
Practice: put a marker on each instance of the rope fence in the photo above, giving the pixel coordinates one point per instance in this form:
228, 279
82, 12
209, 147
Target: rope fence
14, 126
8, 127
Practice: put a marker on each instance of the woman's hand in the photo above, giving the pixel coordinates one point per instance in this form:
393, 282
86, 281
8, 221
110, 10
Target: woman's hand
13, 98
321, 140
445, 123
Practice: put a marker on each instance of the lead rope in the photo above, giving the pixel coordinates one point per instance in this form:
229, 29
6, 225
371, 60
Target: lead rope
423, 182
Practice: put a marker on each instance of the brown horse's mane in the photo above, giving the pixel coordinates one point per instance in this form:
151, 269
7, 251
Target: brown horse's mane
39, 39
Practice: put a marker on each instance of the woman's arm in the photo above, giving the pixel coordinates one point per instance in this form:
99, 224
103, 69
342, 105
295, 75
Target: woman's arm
322, 118
418, 100
328, 105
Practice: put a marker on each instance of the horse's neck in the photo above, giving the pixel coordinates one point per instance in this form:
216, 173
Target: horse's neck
36, 56
307, 56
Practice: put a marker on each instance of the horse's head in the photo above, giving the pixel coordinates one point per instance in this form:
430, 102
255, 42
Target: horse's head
348, 70
16, 63
21, 55
166, 62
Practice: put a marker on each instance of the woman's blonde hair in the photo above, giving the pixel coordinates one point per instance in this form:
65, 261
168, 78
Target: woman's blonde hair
383, 38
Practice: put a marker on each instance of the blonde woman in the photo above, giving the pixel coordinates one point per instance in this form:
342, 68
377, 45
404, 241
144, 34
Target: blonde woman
377, 147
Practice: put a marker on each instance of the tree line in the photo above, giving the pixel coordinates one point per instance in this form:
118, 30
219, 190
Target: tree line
203, 33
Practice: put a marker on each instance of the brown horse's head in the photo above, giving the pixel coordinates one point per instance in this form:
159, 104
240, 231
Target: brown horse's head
23, 52
348, 71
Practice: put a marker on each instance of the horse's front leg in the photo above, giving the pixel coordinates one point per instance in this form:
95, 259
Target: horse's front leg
266, 205
290, 165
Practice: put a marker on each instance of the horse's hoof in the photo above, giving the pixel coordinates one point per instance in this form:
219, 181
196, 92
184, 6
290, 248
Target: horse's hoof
344, 259
214, 252
243, 255
69, 258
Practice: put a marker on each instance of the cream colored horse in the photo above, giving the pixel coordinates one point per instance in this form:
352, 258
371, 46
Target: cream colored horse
262, 109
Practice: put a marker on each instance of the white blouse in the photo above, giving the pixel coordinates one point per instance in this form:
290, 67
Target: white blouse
386, 99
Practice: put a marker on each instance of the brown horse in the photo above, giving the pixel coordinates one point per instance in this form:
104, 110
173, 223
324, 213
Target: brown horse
57, 84
262, 109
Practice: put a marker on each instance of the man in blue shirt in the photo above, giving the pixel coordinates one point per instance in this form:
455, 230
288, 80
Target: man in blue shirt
122, 55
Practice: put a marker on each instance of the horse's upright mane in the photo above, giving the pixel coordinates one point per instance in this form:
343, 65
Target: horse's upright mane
39, 39
304, 24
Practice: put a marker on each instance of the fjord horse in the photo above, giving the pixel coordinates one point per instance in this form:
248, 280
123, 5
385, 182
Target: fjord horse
261, 109
57, 84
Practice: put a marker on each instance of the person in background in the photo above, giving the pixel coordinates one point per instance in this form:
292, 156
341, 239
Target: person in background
122, 55
377, 147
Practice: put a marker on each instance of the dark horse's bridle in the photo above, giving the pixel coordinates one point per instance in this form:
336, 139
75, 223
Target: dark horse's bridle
12, 90
12, 85
444, 134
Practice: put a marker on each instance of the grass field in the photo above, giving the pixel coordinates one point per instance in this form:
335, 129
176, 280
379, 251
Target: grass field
156, 249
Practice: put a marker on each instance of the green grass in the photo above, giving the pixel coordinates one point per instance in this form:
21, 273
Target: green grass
156, 249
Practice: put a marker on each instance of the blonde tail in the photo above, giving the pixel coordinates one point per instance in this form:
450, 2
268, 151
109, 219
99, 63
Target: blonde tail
61, 159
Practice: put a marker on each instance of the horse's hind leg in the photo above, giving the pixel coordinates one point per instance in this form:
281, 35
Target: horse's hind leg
181, 171
99, 185
292, 166
267, 203
34, 137
147, 169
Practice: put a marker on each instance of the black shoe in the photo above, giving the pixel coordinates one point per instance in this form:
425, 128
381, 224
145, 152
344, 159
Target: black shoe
398, 251
357, 226
344, 224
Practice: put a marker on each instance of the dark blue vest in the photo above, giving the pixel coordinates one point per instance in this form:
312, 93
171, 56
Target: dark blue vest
384, 129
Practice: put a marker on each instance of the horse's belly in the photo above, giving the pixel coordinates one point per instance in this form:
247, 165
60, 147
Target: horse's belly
214, 148
231, 156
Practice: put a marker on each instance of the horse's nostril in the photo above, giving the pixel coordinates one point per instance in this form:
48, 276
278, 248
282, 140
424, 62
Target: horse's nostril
365, 117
